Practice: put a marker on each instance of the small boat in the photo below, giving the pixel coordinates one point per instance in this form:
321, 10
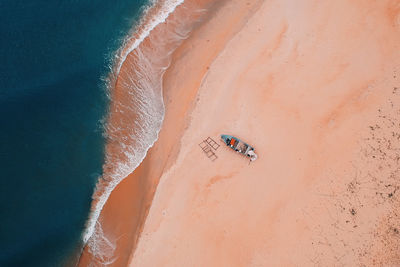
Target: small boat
239, 146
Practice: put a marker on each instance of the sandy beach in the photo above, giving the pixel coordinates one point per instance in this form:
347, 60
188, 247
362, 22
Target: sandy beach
124, 213
314, 88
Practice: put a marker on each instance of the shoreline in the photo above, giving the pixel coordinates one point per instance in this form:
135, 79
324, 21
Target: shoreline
171, 195
138, 188
307, 105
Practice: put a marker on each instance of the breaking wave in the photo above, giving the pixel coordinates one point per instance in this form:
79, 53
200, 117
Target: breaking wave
136, 110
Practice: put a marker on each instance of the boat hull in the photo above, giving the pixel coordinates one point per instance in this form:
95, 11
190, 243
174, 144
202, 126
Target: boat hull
238, 145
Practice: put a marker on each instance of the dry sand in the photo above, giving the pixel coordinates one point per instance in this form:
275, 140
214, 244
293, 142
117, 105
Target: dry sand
124, 212
312, 85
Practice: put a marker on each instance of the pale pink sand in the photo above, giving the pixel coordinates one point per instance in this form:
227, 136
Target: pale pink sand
302, 81
123, 215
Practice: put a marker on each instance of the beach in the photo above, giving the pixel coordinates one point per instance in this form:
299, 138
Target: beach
313, 87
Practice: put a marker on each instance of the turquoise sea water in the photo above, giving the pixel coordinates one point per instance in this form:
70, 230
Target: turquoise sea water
52, 101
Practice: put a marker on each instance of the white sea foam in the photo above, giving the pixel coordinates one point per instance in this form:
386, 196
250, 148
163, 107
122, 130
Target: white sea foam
124, 169
100, 242
130, 138
168, 7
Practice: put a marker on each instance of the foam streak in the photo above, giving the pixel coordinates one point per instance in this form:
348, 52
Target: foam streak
136, 111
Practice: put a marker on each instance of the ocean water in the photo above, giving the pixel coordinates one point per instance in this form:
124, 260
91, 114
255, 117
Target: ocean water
54, 56
137, 113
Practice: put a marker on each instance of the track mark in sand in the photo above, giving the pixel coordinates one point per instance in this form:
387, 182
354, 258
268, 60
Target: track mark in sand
393, 13
276, 43
217, 179
354, 101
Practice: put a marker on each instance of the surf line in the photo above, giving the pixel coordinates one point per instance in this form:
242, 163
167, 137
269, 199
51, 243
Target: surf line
148, 23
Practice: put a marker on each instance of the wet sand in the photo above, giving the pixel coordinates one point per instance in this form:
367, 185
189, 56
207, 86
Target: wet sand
124, 212
313, 87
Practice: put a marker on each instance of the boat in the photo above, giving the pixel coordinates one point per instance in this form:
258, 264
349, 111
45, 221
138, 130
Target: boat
239, 146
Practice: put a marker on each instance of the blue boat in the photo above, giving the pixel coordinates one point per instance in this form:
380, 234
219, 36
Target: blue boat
239, 146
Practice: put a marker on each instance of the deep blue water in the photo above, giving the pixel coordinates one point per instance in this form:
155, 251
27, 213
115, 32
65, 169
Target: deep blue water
53, 55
